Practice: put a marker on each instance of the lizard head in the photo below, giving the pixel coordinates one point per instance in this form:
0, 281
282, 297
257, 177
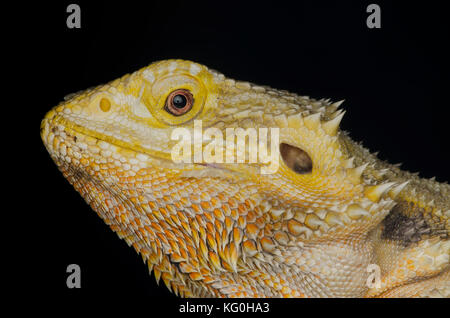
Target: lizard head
150, 153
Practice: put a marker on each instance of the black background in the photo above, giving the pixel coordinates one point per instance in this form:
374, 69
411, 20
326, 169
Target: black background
394, 80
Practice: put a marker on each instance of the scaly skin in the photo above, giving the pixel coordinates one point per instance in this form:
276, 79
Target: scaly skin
226, 230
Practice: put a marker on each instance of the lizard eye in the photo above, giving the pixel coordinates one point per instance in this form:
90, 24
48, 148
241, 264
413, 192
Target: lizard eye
179, 102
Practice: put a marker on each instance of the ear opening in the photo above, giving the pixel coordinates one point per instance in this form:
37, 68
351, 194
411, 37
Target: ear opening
296, 159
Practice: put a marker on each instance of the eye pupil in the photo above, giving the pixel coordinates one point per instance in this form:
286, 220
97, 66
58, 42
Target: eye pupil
179, 101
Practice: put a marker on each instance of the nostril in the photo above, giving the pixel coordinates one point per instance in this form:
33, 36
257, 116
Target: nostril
105, 104
296, 159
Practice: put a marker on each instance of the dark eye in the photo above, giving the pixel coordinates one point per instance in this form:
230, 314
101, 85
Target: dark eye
179, 102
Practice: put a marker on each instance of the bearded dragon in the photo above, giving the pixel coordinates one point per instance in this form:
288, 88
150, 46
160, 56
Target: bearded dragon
315, 227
